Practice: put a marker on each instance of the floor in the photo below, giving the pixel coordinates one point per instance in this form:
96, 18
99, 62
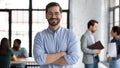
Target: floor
81, 65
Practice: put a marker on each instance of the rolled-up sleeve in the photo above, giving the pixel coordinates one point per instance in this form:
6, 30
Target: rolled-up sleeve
73, 51
38, 50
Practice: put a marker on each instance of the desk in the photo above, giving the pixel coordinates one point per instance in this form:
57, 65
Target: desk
29, 62
23, 60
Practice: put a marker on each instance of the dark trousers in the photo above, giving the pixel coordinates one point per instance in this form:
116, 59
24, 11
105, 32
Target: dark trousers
17, 66
94, 64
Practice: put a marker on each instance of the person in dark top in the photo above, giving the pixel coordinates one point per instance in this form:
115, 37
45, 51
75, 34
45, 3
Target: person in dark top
6, 54
115, 61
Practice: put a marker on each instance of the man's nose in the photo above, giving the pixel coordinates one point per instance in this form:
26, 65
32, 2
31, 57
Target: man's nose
53, 16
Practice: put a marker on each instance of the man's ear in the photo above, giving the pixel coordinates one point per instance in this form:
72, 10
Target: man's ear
90, 27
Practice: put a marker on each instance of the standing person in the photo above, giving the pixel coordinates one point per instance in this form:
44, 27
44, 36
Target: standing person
19, 52
115, 61
6, 53
55, 47
90, 56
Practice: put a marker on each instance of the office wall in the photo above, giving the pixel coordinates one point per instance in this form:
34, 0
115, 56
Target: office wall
81, 11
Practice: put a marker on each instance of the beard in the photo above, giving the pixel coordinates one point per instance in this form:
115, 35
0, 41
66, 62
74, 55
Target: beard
16, 48
54, 21
93, 31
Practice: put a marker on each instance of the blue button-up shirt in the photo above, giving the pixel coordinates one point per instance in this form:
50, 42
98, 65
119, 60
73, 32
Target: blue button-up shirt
20, 51
48, 42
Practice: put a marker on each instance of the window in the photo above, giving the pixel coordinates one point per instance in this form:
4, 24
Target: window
114, 14
117, 21
20, 28
24, 18
114, 3
117, 2
4, 25
40, 4
14, 4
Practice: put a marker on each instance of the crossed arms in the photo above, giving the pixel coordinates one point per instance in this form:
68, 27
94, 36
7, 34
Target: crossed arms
57, 58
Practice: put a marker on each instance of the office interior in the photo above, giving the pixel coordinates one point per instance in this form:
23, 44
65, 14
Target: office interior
24, 18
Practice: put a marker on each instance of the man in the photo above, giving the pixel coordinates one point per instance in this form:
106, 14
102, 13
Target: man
90, 56
55, 47
19, 52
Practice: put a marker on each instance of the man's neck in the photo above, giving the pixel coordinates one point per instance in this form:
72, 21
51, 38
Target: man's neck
116, 37
90, 31
54, 28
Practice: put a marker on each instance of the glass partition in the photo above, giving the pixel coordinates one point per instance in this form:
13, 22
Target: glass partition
4, 25
20, 28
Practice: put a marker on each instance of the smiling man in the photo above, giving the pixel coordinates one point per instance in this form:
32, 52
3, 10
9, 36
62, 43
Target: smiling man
55, 47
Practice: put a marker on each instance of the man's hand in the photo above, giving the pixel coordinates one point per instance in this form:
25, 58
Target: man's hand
63, 53
110, 58
61, 61
51, 58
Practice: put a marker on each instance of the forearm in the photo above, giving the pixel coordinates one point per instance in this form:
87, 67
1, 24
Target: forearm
54, 57
88, 51
85, 49
21, 56
61, 61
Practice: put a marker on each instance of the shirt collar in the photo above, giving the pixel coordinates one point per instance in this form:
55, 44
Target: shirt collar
89, 31
17, 50
55, 31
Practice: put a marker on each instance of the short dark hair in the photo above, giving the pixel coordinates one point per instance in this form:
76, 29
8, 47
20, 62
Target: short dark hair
91, 23
116, 29
18, 41
52, 4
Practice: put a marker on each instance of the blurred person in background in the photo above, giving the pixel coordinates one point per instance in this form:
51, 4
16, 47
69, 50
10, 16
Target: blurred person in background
20, 52
6, 54
90, 56
114, 62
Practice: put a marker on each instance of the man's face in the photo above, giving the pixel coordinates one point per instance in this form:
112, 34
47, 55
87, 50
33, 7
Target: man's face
113, 34
16, 45
53, 16
94, 28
